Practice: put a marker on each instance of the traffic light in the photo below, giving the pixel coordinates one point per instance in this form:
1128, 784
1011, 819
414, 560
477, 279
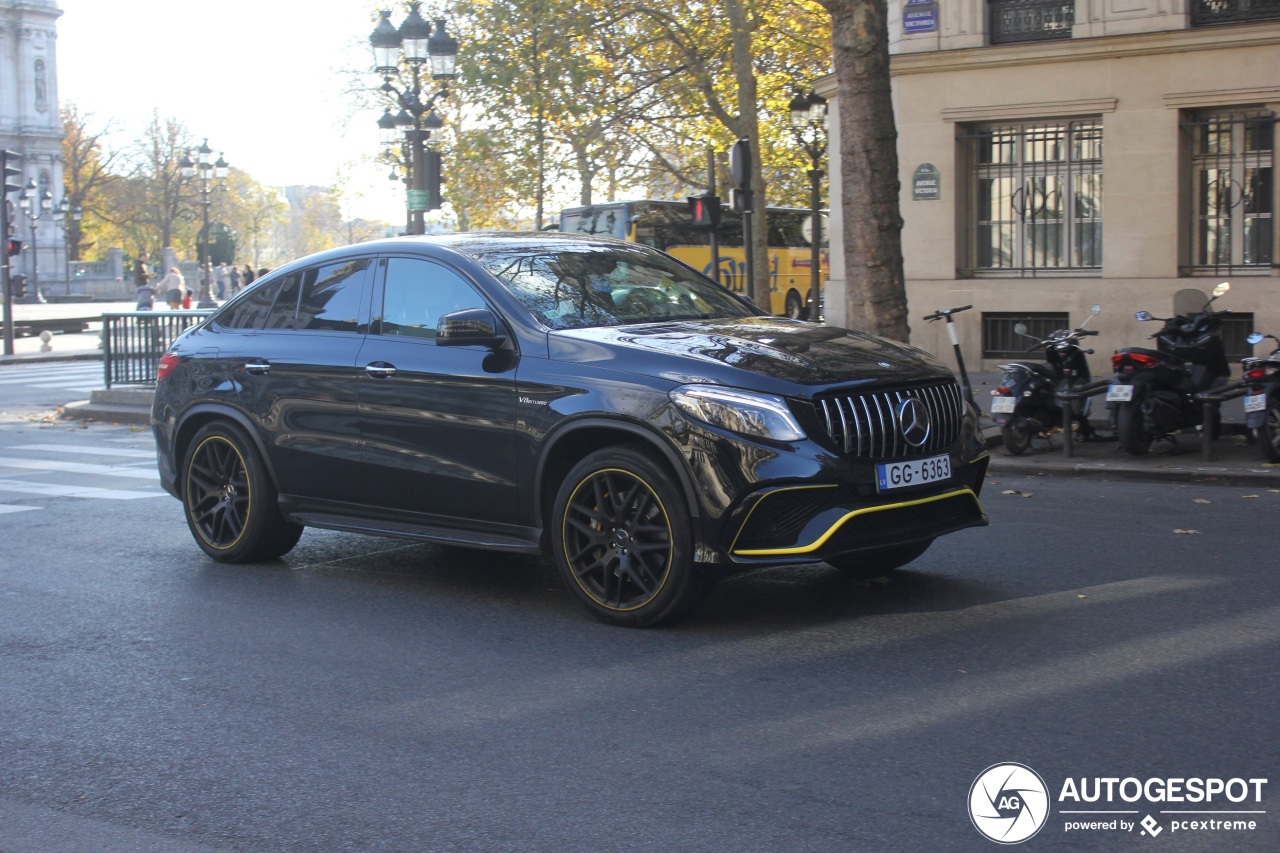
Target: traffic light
14, 247
705, 210
741, 201
18, 286
12, 174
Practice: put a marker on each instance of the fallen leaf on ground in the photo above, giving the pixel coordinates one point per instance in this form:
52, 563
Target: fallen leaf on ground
1202, 501
1248, 496
1180, 530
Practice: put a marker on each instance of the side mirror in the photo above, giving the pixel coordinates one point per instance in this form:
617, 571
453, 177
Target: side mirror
1020, 328
469, 327
1095, 309
1221, 289
1256, 337
1144, 316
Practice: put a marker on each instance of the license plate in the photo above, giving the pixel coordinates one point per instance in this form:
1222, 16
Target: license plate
1119, 393
1255, 403
918, 472
1003, 405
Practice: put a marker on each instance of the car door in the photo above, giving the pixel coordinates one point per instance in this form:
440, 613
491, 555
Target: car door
437, 422
300, 378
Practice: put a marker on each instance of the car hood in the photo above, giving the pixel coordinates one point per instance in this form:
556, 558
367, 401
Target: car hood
768, 353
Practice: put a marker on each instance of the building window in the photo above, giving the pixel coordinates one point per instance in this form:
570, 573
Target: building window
1207, 13
1000, 340
1010, 21
1232, 173
1036, 191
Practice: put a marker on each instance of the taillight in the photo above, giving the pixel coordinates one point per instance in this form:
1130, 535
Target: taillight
168, 362
1256, 373
1133, 359
1002, 391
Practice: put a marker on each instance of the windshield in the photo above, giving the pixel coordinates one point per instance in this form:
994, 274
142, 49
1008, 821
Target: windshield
583, 286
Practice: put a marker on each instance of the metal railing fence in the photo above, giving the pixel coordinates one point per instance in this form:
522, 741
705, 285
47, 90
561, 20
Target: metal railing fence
134, 341
1011, 21
1206, 13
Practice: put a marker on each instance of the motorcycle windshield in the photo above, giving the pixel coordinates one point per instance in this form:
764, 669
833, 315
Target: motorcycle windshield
1189, 301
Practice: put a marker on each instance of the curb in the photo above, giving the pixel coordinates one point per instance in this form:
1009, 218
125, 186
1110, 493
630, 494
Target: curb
117, 405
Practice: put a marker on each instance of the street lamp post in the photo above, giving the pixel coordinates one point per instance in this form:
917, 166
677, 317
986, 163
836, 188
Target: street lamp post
60, 214
35, 206
417, 44
206, 169
809, 127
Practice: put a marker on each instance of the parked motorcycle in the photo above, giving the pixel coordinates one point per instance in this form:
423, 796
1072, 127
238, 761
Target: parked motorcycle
1154, 390
1025, 404
1262, 405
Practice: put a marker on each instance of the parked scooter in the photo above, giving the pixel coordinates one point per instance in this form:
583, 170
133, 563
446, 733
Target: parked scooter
1262, 405
1026, 405
1154, 390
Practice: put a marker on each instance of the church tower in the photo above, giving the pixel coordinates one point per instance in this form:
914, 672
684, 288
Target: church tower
31, 125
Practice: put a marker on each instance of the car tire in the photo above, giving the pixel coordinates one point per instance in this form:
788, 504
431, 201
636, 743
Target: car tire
1270, 432
1016, 434
795, 306
875, 564
623, 542
229, 499
1133, 439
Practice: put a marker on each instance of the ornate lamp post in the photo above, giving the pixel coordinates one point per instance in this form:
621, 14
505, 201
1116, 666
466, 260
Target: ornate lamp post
60, 213
416, 44
206, 169
34, 206
809, 127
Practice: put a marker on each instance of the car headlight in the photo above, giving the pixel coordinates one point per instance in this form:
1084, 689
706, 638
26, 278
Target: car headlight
743, 412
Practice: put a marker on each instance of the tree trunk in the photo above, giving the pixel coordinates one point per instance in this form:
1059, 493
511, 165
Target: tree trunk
874, 281
749, 123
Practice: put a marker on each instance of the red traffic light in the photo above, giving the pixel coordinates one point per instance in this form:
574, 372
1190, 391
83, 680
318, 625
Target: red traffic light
705, 210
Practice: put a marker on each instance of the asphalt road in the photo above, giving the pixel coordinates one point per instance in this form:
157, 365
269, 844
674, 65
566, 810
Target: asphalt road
373, 695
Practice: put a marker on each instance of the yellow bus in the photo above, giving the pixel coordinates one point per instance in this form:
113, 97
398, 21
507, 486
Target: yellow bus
668, 225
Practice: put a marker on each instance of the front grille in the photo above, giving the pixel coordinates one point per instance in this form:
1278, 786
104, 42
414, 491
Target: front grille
868, 425
913, 521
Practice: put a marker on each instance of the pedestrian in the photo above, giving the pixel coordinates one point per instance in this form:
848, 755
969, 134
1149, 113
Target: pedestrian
186, 299
146, 296
235, 279
248, 275
141, 275
262, 271
173, 285
224, 280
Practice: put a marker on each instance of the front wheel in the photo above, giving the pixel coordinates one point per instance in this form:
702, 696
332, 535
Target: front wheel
1133, 439
230, 501
1016, 434
874, 564
623, 542
1270, 432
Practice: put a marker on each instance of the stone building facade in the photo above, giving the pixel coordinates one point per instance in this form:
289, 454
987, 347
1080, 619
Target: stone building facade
31, 125
1058, 154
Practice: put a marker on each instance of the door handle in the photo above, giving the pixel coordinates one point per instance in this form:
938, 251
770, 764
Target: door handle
380, 370
258, 368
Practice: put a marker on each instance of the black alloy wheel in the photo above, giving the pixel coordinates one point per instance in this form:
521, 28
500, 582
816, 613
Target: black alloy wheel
1133, 439
878, 563
1016, 434
623, 542
230, 502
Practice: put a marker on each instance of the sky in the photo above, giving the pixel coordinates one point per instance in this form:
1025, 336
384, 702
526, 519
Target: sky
264, 80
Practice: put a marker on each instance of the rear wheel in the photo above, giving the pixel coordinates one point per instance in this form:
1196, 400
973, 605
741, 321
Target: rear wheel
795, 306
1016, 434
229, 501
874, 564
1271, 432
1133, 439
623, 541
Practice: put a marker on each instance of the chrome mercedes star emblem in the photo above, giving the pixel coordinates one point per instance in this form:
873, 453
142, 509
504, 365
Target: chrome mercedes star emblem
913, 417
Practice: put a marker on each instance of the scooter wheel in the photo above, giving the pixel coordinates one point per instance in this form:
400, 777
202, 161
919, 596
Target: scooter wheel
1270, 433
1016, 435
1133, 439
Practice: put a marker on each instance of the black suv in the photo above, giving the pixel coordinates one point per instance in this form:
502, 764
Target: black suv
537, 393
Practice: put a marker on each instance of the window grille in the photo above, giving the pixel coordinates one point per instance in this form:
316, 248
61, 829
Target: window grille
1010, 21
999, 340
1233, 331
1036, 198
1232, 174
1207, 13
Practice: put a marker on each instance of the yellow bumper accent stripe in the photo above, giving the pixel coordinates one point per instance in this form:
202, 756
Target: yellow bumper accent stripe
831, 531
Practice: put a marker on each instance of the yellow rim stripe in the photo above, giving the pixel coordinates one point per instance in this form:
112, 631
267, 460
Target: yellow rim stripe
831, 531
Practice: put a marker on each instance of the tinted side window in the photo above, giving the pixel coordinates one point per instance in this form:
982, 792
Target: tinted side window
285, 310
251, 311
331, 297
418, 292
